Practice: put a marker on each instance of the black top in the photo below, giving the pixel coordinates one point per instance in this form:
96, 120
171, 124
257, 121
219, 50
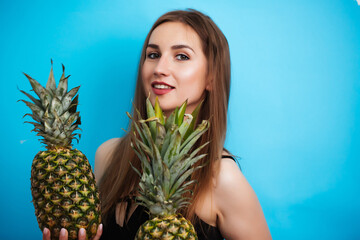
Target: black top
113, 231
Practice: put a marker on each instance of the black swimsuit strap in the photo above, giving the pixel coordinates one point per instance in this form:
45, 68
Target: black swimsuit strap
228, 156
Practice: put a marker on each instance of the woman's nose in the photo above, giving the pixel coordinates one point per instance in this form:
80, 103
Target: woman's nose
162, 66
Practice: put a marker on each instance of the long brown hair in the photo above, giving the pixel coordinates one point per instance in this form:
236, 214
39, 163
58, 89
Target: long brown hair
119, 178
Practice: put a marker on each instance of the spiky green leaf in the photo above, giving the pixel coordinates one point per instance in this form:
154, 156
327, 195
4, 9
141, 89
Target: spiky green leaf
158, 112
181, 113
34, 108
56, 106
50, 85
150, 114
63, 84
42, 93
36, 101
195, 115
66, 101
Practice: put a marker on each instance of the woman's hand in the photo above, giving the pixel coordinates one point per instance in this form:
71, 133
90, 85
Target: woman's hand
64, 234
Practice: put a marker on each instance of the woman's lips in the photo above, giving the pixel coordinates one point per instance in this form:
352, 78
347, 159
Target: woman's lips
161, 91
160, 88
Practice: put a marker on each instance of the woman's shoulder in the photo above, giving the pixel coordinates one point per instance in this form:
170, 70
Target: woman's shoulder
229, 172
229, 176
236, 201
102, 156
108, 145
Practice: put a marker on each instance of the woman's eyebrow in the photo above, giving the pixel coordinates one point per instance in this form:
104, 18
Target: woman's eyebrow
174, 47
152, 46
182, 46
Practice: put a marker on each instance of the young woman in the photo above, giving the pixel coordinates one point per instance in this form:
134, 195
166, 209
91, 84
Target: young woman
185, 56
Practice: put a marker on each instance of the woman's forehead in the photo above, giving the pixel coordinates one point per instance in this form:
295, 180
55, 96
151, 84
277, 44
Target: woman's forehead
174, 33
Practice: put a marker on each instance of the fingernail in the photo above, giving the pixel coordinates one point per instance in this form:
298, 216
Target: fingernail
46, 231
62, 232
82, 232
101, 227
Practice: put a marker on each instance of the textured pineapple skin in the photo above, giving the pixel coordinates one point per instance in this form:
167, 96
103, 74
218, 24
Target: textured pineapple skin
64, 192
173, 227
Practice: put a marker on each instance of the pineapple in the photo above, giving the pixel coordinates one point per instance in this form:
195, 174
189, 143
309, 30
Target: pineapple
62, 183
164, 147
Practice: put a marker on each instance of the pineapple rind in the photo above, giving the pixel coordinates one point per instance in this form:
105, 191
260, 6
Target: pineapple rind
69, 199
168, 227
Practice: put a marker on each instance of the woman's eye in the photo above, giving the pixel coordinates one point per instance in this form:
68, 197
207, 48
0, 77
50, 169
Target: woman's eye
153, 55
182, 57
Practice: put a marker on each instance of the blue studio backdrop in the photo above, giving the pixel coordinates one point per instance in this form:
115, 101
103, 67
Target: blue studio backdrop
294, 114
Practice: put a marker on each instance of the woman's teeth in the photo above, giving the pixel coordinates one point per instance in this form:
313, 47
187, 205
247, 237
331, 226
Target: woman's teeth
160, 86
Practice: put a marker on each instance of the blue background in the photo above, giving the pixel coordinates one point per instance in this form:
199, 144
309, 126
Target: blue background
294, 107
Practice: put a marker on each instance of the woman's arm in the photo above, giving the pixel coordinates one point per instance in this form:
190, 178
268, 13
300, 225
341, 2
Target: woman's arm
102, 157
239, 212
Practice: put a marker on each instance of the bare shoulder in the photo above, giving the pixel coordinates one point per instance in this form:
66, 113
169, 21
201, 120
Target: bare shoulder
230, 177
229, 174
102, 156
239, 212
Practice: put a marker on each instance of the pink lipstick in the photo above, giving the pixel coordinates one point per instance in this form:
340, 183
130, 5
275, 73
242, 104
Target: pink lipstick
160, 88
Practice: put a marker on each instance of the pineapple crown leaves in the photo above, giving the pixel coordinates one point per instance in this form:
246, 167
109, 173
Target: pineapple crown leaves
164, 147
54, 112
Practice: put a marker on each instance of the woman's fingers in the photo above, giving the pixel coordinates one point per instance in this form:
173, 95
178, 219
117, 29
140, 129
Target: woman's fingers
82, 234
46, 234
63, 234
99, 232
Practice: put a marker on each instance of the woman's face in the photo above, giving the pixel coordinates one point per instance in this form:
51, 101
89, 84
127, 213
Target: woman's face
175, 67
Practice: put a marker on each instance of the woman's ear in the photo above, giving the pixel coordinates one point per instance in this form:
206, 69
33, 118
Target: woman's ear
208, 81
208, 86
